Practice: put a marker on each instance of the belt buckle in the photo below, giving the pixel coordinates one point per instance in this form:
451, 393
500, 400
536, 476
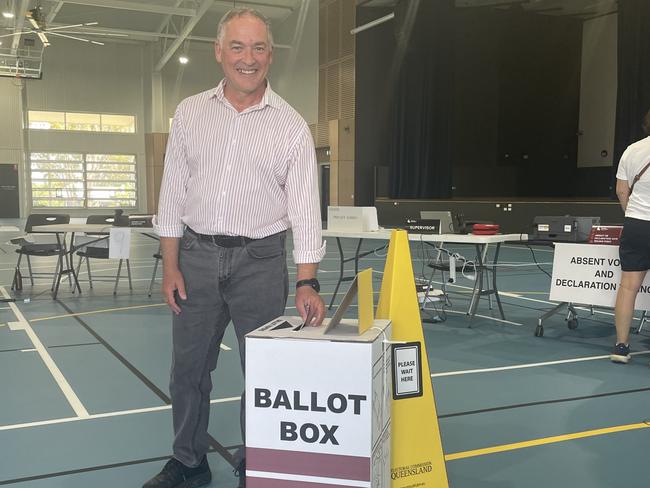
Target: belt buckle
226, 241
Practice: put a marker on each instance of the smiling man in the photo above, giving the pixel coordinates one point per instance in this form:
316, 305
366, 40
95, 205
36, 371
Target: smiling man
240, 170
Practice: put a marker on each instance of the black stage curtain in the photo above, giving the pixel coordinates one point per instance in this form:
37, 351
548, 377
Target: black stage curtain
633, 97
421, 81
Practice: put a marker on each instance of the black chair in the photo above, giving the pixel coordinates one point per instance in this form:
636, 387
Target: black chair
427, 295
29, 248
100, 250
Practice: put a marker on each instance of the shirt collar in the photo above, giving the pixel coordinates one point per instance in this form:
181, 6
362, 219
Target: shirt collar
269, 98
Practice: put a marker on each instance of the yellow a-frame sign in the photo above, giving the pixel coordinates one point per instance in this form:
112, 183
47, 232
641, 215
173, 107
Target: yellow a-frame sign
417, 458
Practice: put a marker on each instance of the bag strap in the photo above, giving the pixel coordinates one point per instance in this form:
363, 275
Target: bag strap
638, 177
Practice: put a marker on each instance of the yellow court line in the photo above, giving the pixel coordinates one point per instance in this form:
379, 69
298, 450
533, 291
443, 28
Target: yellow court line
98, 311
544, 440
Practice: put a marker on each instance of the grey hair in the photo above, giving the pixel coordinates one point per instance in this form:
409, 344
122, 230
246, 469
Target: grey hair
242, 12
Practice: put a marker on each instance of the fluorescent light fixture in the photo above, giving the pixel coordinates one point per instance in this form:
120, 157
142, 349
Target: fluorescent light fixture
373, 23
183, 59
7, 14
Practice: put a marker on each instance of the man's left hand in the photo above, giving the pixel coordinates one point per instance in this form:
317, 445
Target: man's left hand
310, 306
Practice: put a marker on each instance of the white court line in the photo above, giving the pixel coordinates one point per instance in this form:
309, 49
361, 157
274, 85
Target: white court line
119, 413
459, 312
529, 365
546, 302
70, 395
133, 261
536, 300
528, 250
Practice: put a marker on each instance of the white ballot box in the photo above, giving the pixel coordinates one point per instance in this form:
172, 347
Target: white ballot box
318, 405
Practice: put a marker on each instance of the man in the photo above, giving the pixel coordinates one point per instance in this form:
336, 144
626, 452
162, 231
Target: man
240, 169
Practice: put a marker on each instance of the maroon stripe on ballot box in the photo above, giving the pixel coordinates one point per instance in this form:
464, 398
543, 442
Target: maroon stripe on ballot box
269, 483
308, 464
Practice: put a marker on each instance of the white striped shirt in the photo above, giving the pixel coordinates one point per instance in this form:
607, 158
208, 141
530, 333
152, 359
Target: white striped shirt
249, 173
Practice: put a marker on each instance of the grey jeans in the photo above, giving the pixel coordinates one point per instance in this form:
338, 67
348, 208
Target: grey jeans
248, 285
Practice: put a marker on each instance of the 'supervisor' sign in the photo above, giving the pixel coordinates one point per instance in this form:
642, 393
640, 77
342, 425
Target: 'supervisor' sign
317, 411
590, 274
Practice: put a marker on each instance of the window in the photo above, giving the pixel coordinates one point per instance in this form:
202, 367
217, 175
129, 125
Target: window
118, 123
110, 180
57, 180
83, 180
88, 122
46, 120
81, 122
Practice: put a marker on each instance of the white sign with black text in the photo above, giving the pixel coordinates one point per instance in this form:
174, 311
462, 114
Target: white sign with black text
407, 370
119, 244
590, 274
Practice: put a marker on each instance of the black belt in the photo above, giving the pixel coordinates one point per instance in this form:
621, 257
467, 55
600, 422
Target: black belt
221, 240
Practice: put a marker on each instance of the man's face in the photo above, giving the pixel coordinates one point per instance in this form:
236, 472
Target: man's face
245, 54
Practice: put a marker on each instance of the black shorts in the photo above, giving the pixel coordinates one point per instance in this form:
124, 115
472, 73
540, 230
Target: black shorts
634, 249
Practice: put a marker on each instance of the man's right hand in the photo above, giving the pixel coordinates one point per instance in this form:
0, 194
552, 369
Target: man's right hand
173, 281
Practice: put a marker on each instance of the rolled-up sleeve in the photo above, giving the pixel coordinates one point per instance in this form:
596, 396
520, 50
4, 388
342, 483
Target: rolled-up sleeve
303, 204
173, 190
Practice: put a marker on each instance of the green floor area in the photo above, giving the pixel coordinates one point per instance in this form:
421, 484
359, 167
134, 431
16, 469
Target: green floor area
495, 383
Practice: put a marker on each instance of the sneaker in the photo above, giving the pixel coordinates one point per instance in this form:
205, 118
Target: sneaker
240, 472
176, 475
621, 353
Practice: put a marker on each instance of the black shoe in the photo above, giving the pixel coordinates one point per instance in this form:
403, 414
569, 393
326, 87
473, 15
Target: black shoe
620, 354
176, 475
240, 472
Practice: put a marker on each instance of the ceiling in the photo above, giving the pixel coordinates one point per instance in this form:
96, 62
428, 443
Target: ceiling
584, 9
196, 20
141, 20
174, 23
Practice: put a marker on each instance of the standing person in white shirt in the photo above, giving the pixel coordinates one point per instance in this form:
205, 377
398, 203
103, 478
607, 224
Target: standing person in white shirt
240, 169
633, 190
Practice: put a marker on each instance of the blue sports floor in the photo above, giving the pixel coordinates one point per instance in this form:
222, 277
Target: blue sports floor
84, 399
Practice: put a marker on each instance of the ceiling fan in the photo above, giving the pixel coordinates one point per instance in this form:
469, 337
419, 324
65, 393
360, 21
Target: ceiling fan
36, 19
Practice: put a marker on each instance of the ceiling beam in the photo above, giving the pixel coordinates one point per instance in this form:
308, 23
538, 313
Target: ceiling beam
53, 12
246, 3
191, 23
148, 36
138, 7
167, 18
297, 35
18, 26
140, 35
